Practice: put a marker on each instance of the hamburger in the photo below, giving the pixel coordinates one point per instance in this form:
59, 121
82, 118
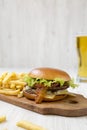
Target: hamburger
47, 84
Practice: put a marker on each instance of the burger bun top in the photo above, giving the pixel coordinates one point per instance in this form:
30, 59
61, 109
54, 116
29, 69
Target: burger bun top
49, 74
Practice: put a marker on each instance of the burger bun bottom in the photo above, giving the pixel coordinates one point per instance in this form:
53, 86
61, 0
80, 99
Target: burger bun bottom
55, 98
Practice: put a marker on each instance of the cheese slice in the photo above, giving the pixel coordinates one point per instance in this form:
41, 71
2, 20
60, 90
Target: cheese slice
59, 92
50, 96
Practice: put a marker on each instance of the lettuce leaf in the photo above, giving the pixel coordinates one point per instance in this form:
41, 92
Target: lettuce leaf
72, 84
31, 81
59, 80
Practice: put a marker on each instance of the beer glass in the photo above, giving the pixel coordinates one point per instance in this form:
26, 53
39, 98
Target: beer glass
81, 42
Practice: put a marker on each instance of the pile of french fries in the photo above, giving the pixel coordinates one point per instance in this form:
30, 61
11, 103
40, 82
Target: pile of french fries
12, 83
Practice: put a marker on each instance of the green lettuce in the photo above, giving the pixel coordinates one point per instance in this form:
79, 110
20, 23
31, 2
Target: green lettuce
31, 81
59, 80
72, 84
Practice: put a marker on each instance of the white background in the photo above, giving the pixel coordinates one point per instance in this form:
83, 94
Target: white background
37, 33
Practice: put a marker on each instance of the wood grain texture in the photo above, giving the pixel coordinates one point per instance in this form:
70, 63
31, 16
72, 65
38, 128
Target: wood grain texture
41, 32
70, 106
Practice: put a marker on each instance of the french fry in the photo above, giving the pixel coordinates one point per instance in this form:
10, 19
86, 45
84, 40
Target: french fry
21, 75
8, 77
29, 126
0, 82
3, 75
19, 87
2, 119
12, 86
18, 82
5, 85
10, 92
20, 94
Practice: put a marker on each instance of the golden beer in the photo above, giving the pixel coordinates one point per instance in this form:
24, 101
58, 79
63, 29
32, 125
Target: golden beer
82, 57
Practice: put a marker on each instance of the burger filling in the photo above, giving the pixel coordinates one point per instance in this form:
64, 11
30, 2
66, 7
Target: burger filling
42, 87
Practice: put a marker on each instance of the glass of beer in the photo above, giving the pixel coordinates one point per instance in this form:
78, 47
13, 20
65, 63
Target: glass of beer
81, 42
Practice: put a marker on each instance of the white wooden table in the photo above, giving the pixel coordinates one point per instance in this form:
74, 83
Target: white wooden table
51, 122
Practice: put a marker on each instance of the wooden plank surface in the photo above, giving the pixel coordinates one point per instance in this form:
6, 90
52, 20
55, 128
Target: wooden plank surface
70, 106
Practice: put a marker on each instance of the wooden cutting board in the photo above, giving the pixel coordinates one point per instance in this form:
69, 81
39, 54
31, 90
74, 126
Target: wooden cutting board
70, 106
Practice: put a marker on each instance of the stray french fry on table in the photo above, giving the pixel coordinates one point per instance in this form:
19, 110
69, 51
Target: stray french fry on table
29, 126
2, 119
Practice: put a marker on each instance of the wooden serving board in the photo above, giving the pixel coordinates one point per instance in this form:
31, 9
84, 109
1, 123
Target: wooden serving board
70, 106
